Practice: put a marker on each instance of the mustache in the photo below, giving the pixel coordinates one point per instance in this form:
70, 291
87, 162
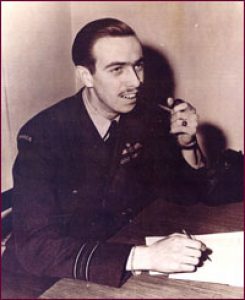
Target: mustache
130, 91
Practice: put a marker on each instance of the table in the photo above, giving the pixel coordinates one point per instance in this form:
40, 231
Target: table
162, 218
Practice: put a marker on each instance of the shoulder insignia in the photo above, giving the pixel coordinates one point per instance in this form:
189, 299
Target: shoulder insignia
25, 137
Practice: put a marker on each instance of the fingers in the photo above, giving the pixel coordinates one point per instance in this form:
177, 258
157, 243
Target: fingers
193, 244
191, 260
188, 242
190, 247
190, 129
184, 119
187, 268
190, 116
190, 256
183, 107
170, 101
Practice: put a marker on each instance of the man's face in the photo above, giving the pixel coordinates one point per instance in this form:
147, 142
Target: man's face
118, 74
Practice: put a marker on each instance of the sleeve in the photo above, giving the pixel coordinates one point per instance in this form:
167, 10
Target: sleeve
187, 185
173, 177
42, 246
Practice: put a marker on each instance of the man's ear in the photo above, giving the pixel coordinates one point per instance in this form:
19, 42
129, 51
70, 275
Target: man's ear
85, 76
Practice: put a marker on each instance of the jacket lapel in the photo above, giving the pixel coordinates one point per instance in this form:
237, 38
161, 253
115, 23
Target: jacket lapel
84, 143
83, 139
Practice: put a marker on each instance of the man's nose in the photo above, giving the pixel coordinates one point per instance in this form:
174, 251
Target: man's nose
134, 79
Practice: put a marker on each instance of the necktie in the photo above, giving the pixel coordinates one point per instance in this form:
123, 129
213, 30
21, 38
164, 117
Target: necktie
112, 131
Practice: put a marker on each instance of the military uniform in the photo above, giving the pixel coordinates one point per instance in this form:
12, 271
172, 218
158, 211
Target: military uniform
71, 194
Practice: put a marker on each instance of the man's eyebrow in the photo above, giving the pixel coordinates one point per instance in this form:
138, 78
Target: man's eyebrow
120, 63
139, 61
115, 63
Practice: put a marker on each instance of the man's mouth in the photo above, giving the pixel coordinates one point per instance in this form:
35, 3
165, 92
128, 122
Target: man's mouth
129, 96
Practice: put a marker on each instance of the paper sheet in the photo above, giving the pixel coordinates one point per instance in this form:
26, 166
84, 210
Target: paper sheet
227, 265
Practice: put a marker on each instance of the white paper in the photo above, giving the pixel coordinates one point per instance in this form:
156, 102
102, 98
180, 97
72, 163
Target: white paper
227, 265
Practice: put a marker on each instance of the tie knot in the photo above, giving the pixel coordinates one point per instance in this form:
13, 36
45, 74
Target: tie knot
112, 128
112, 132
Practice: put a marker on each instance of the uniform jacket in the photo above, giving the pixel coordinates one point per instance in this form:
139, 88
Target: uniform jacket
70, 195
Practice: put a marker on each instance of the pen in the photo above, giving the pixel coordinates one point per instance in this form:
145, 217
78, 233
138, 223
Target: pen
191, 237
187, 234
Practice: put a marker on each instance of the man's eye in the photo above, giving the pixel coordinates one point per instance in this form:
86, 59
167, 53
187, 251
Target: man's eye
139, 66
117, 70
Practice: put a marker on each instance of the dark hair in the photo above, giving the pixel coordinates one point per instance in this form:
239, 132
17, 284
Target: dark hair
88, 35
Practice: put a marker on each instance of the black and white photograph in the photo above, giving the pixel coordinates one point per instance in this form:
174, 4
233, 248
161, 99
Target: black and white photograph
122, 149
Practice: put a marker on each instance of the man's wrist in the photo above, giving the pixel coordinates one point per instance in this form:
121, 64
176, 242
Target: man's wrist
138, 260
194, 157
190, 146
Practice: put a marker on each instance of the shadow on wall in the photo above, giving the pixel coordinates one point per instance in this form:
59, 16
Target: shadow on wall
224, 166
159, 83
214, 141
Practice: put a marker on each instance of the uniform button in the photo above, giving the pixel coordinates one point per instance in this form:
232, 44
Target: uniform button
123, 213
130, 221
74, 192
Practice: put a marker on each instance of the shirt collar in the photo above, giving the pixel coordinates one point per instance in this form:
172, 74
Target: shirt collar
100, 122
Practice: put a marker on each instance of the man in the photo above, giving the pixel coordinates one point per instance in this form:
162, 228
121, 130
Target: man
87, 165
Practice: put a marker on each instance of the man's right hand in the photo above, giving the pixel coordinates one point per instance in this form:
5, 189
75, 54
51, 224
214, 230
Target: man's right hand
174, 253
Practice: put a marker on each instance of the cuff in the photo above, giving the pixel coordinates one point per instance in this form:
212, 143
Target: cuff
103, 263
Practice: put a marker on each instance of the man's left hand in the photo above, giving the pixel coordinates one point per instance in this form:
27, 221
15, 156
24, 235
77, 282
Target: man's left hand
184, 122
